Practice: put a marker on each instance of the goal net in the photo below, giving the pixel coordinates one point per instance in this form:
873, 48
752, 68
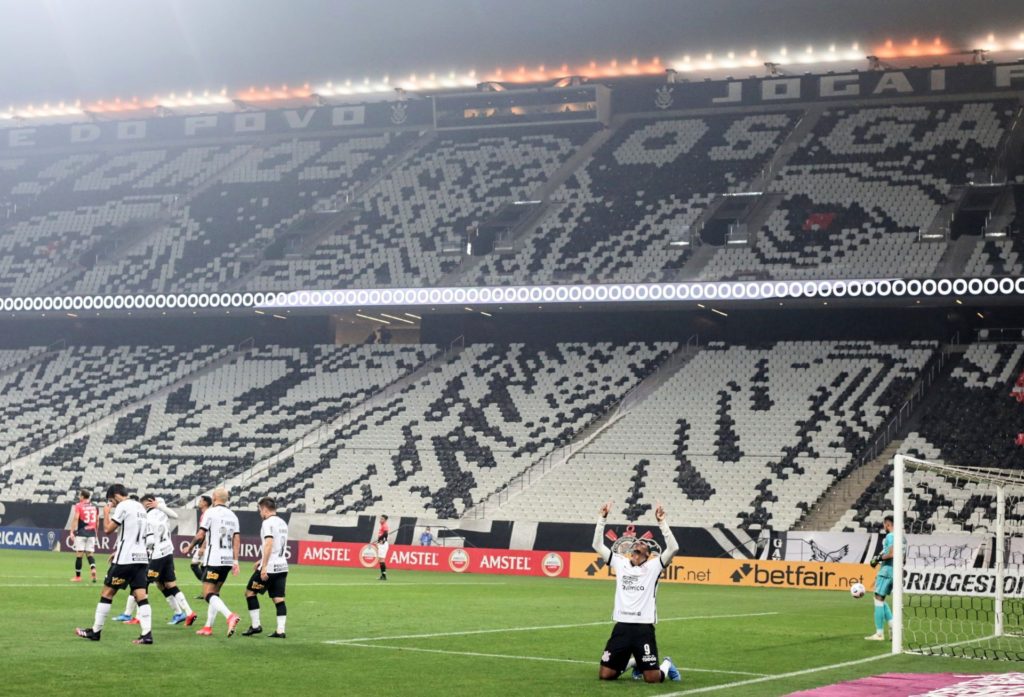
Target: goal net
958, 571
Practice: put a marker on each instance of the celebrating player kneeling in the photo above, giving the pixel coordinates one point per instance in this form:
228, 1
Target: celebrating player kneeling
635, 613
130, 563
271, 570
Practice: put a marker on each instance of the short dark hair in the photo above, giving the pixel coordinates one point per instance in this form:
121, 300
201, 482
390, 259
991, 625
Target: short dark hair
84, 494
268, 503
206, 499
148, 497
888, 519
384, 516
116, 490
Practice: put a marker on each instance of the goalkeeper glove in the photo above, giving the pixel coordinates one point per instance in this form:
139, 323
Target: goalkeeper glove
873, 562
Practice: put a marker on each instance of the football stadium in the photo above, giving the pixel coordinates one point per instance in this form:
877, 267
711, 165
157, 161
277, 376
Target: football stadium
483, 348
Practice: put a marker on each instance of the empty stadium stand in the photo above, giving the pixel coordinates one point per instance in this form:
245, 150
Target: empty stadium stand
461, 431
970, 419
739, 437
200, 433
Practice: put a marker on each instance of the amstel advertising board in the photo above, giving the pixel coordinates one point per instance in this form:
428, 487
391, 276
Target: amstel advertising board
458, 559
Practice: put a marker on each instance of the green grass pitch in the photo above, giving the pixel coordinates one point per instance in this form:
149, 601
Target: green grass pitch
434, 634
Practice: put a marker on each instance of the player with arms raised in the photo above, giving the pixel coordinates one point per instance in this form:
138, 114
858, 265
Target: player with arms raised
130, 563
84, 517
271, 571
635, 613
219, 532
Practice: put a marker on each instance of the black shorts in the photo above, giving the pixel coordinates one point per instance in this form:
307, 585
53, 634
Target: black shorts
636, 640
216, 574
162, 570
273, 586
132, 576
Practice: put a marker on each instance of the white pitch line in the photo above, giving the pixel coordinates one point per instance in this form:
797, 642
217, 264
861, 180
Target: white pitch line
538, 628
475, 654
780, 676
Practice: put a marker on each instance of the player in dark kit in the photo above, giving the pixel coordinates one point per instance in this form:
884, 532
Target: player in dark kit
84, 518
382, 547
271, 571
130, 563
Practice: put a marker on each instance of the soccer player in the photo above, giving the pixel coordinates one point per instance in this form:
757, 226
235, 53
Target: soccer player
382, 547
883, 582
219, 533
161, 563
129, 564
635, 613
203, 504
271, 571
84, 517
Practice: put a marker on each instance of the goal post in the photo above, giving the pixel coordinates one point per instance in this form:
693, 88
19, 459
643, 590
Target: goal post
958, 565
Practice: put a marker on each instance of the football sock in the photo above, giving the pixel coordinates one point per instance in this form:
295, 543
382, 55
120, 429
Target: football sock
92, 561
102, 610
145, 617
282, 616
216, 605
664, 669
254, 610
888, 612
78, 566
879, 615
182, 603
130, 606
172, 602
383, 569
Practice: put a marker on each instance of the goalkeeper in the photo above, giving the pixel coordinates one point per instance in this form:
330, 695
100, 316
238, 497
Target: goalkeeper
883, 582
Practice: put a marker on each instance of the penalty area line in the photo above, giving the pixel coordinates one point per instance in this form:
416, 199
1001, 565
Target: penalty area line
477, 654
780, 676
472, 632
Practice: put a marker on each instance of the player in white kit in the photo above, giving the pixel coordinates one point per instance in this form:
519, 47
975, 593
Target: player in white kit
129, 564
219, 532
271, 571
636, 613
161, 563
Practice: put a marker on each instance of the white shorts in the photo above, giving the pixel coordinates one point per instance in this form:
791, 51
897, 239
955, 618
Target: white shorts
382, 550
85, 544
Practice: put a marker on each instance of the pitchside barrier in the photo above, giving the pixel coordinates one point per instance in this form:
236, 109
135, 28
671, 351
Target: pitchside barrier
759, 573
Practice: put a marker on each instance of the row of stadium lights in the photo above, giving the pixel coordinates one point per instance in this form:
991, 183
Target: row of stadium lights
524, 295
593, 69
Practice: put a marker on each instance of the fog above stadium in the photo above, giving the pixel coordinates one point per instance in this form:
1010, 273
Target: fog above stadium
70, 49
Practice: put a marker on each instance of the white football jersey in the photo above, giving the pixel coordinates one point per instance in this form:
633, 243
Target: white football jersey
130, 516
636, 588
160, 533
198, 552
276, 529
221, 526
